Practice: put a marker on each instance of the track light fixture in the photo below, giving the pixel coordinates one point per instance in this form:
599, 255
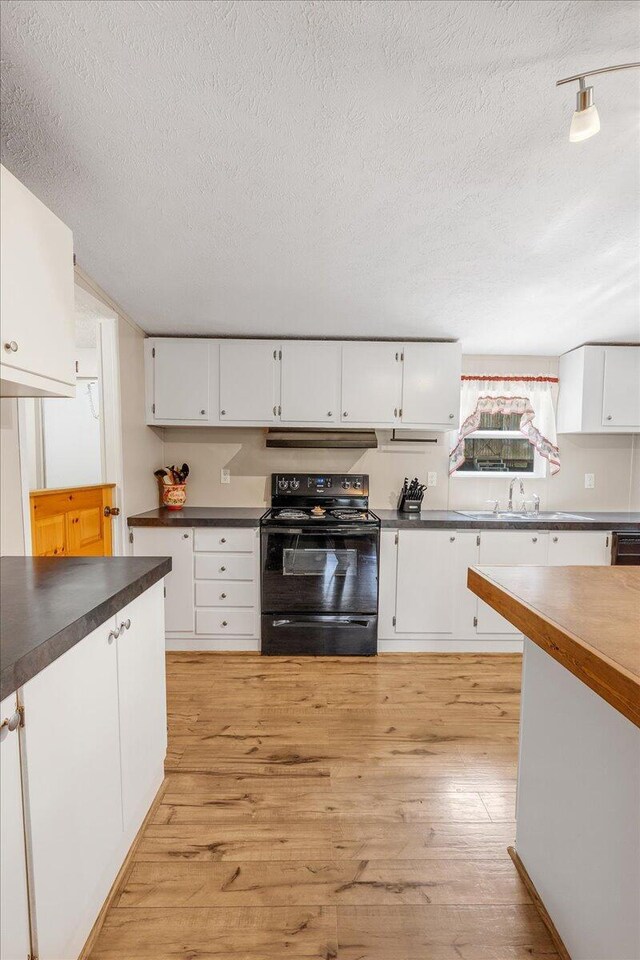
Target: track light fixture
586, 122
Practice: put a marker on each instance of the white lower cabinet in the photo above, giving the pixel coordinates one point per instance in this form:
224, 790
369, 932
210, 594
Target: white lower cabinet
14, 909
177, 544
424, 598
72, 751
143, 704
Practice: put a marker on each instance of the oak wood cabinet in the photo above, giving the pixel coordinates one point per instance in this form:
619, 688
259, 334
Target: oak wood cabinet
74, 522
37, 297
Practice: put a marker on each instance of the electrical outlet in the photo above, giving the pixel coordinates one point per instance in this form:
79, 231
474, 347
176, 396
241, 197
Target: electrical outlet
432, 479
225, 475
589, 481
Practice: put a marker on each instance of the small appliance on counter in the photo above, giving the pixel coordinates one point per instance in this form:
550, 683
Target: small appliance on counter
319, 558
410, 499
173, 486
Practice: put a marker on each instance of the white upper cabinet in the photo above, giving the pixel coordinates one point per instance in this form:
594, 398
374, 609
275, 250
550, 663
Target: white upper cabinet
37, 300
181, 371
600, 390
310, 381
431, 384
249, 381
371, 383
621, 387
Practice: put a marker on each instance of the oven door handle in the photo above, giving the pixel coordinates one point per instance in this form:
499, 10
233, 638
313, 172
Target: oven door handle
302, 621
306, 532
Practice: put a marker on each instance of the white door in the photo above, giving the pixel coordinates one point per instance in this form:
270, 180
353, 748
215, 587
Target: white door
507, 548
72, 750
181, 380
621, 389
579, 548
14, 910
143, 704
464, 601
37, 306
177, 544
249, 380
424, 598
310, 381
431, 384
371, 383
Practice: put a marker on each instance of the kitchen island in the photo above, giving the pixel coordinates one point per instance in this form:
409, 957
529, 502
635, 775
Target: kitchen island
577, 823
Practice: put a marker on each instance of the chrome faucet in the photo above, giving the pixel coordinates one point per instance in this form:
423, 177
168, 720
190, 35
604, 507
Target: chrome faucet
511, 485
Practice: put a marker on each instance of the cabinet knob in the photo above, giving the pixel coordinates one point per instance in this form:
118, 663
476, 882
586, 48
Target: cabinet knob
222, 413
451, 416
125, 624
395, 411
451, 539
223, 539
534, 539
555, 539
224, 623
11, 346
222, 569
12, 722
185, 536
609, 417
113, 635
223, 596
329, 414
203, 412
345, 414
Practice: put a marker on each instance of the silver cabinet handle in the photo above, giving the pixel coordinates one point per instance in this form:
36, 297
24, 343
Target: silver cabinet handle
345, 414
185, 536
113, 634
222, 413
451, 416
555, 539
534, 539
609, 417
451, 539
279, 410
11, 346
223, 596
275, 354
125, 624
224, 623
223, 539
275, 409
203, 412
222, 569
395, 411
12, 722
329, 414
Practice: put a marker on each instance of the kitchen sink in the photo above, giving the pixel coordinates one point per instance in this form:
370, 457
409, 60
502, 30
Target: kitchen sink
514, 515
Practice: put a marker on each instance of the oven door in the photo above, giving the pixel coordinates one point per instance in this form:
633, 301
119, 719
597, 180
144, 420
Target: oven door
316, 571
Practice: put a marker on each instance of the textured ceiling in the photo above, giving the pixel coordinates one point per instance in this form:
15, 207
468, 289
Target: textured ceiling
337, 168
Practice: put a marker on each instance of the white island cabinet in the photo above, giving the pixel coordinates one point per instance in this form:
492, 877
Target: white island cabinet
14, 909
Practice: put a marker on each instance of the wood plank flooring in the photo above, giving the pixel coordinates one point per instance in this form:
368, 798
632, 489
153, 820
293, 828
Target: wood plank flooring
335, 809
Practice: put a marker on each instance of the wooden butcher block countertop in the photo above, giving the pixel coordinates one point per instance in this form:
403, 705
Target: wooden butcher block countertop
586, 618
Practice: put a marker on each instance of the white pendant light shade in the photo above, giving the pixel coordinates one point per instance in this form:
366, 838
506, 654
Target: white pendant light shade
585, 124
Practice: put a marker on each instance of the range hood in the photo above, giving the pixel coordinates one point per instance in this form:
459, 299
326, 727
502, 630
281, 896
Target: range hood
322, 439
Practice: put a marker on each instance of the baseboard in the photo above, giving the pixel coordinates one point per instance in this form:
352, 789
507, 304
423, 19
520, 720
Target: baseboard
232, 644
539, 905
122, 874
449, 646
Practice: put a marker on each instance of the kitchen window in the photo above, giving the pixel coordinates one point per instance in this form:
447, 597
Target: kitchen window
507, 428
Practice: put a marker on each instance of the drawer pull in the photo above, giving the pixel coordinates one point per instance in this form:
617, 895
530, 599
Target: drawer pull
534, 539
185, 536
224, 623
555, 539
223, 540
12, 347
223, 596
222, 569
451, 539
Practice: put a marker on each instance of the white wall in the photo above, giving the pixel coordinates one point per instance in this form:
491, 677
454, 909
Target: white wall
11, 523
612, 459
72, 443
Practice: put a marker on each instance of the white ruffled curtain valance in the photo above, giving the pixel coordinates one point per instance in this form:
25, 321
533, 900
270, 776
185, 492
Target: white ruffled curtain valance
531, 397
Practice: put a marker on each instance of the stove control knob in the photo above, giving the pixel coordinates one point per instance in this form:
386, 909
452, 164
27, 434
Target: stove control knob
357, 483
295, 483
345, 484
283, 484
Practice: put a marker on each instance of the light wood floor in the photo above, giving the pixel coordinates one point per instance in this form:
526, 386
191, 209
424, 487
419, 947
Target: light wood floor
326, 808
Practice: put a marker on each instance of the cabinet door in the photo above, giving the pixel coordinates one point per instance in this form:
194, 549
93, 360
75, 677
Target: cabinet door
72, 752
621, 389
181, 380
14, 911
37, 299
465, 602
177, 544
249, 380
371, 383
310, 381
143, 707
579, 548
424, 599
507, 548
431, 384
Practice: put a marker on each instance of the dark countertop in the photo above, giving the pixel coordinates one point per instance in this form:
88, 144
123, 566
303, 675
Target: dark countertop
49, 604
199, 517
450, 519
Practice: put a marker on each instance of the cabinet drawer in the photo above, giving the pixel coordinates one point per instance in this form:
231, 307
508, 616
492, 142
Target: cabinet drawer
221, 566
234, 540
223, 621
238, 593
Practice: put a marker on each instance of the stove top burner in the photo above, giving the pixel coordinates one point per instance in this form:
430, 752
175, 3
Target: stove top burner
292, 514
349, 514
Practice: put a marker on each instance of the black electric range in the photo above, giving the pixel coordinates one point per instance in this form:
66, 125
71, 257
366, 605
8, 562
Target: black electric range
319, 561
